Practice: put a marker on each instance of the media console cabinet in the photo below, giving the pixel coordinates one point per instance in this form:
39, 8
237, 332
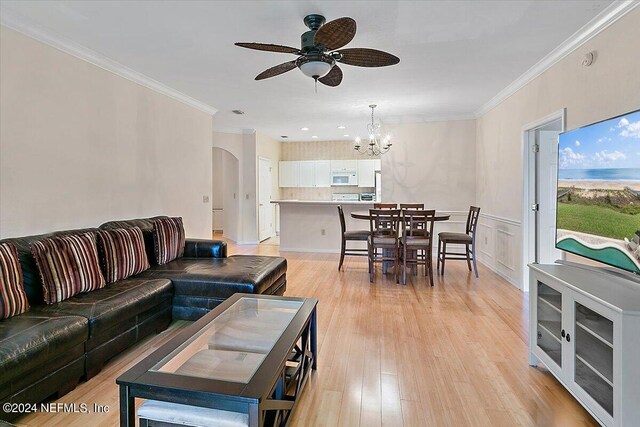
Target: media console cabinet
584, 325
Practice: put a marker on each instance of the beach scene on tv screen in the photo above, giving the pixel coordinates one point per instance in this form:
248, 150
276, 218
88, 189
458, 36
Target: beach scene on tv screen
599, 192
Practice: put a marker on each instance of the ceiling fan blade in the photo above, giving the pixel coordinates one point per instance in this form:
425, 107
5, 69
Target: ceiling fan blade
335, 34
269, 47
362, 57
334, 78
278, 69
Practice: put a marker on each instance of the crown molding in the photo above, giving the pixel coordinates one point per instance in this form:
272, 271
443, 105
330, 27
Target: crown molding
395, 120
17, 23
604, 19
235, 131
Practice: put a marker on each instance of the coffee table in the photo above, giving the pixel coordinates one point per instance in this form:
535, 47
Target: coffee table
252, 354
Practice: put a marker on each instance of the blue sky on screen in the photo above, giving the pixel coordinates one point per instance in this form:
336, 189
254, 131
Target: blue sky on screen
613, 143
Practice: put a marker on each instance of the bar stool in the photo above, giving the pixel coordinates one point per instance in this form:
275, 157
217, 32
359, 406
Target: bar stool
468, 239
355, 235
383, 228
417, 236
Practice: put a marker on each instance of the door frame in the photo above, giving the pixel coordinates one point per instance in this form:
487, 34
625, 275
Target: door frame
529, 189
272, 228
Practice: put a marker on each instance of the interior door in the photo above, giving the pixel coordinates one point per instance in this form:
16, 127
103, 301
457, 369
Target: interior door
265, 211
547, 193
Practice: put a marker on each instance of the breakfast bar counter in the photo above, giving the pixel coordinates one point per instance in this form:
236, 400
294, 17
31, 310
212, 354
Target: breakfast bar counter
314, 226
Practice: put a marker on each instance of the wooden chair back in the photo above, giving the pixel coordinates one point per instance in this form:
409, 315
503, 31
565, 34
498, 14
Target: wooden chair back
416, 221
472, 220
384, 221
411, 205
385, 206
343, 225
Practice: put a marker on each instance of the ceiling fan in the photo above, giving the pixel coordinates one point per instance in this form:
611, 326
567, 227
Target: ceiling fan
319, 55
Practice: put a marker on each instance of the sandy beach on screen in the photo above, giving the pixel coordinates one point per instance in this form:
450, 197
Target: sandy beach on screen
600, 185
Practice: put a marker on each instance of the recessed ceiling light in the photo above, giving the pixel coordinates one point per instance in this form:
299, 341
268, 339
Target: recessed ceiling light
346, 135
284, 136
314, 136
238, 112
341, 127
305, 129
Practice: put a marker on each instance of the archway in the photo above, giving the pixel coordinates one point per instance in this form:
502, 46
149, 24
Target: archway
226, 193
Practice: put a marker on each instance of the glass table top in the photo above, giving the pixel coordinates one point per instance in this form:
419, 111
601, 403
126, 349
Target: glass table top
233, 345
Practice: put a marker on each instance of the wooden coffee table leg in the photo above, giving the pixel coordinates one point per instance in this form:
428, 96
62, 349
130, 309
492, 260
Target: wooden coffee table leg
314, 339
127, 407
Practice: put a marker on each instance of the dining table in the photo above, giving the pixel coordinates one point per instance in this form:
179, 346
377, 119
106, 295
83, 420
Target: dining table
366, 216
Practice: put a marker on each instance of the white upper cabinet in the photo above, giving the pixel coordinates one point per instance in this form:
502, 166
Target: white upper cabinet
323, 173
366, 173
377, 163
344, 165
289, 174
307, 173
317, 173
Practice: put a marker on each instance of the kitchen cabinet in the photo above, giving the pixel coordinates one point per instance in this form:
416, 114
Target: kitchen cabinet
307, 174
344, 165
323, 173
584, 325
289, 174
366, 173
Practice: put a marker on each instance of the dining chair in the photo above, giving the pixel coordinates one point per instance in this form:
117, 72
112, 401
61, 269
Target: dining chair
411, 205
417, 241
383, 239
385, 206
352, 235
468, 239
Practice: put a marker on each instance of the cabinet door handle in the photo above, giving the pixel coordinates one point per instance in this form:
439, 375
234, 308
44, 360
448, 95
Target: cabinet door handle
568, 338
562, 333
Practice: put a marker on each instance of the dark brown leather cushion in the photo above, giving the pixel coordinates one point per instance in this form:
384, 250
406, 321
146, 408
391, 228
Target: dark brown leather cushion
221, 277
34, 339
106, 307
455, 237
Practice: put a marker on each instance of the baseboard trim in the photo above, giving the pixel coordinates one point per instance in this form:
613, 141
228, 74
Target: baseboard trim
504, 276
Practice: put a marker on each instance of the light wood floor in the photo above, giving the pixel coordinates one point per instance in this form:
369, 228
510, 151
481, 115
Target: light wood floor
451, 355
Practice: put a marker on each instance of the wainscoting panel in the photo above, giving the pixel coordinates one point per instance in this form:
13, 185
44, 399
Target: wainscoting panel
499, 246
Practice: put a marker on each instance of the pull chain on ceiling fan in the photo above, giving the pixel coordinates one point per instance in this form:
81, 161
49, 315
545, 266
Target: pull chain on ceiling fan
318, 56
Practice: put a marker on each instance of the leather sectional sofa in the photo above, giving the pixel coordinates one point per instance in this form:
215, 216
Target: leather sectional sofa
46, 350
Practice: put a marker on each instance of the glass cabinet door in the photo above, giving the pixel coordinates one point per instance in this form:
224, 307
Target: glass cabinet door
549, 327
593, 358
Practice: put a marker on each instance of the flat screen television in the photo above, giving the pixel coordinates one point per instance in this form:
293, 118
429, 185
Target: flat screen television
598, 215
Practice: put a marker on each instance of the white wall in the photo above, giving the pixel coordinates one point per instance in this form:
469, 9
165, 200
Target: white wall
611, 86
269, 148
80, 146
431, 163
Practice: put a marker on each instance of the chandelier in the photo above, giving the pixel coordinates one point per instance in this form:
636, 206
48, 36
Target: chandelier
376, 145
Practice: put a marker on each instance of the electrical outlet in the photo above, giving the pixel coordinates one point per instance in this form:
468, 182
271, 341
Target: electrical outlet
486, 240
205, 199
323, 232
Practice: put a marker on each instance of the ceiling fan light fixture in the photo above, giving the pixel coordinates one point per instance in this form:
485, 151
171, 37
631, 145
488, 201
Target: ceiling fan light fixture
315, 69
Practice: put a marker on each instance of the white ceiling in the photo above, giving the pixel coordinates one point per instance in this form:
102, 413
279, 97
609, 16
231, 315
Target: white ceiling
455, 55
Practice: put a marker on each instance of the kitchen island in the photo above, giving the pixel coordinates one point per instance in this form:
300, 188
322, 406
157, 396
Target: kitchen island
314, 226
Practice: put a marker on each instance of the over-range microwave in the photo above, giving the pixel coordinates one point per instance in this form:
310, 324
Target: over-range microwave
344, 178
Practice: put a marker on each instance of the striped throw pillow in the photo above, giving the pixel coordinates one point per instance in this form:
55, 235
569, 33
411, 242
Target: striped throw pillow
168, 236
13, 299
123, 253
68, 266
